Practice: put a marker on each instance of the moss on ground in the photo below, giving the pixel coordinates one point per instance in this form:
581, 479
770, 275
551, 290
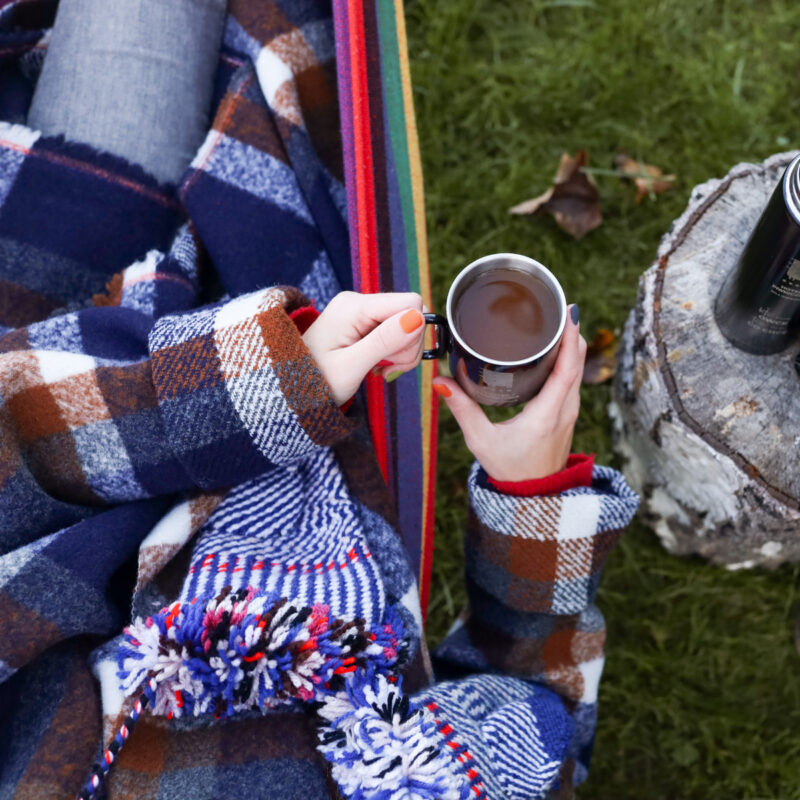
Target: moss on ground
701, 694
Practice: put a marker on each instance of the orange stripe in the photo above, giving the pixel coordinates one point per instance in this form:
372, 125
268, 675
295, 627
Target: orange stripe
429, 491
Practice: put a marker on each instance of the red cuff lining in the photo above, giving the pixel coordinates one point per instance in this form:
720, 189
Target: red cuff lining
304, 317
578, 472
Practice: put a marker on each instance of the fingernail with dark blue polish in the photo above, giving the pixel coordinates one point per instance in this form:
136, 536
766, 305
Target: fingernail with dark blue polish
575, 313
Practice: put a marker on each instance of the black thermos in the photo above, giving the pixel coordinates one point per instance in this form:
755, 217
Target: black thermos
758, 306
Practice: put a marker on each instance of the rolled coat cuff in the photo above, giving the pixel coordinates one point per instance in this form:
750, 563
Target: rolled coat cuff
544, 554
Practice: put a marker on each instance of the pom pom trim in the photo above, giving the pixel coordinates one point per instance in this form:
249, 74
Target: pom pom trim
383, 746
246, 650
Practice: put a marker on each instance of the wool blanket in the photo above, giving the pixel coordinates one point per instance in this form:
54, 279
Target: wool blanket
265, 201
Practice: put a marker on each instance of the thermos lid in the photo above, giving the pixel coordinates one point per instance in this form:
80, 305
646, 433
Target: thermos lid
791, 189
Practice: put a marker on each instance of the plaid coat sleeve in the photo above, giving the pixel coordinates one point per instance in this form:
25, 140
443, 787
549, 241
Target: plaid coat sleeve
533, 569
122, 401
238, 390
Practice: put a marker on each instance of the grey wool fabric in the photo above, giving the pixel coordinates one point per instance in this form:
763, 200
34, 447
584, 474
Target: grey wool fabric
132, 77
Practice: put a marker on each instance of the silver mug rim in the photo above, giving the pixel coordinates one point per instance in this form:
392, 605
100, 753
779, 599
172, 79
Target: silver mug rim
552, 283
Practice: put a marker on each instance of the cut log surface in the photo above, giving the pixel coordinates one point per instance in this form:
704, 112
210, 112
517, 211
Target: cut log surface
710, 435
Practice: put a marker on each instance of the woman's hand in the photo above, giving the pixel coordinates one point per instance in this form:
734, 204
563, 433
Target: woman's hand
536, 442
358, 332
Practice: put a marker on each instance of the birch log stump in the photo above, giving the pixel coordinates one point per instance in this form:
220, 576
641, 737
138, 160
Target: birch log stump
710, 435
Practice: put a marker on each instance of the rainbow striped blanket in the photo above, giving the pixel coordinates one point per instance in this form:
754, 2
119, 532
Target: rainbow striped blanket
388, 244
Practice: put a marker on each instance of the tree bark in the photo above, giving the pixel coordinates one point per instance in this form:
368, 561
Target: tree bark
709, 434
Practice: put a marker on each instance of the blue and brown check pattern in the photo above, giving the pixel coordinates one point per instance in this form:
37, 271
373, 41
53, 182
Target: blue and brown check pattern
93, 253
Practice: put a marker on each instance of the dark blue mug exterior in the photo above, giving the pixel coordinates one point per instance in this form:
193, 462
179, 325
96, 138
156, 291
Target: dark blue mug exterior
487, 381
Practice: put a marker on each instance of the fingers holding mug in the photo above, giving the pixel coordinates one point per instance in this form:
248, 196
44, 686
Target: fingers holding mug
572, 404
396, 340
474, 424
394, 364
561, 391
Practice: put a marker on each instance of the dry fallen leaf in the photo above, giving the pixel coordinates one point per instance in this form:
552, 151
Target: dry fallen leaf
601, 357
573, 199
649, 180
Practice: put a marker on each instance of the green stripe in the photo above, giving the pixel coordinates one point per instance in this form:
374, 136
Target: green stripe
398, 135
395, 112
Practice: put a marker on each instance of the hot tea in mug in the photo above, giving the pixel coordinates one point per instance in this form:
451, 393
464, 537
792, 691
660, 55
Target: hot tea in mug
505, 317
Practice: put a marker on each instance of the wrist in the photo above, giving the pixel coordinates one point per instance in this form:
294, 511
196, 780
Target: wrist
577, 472
530, 465
303, 319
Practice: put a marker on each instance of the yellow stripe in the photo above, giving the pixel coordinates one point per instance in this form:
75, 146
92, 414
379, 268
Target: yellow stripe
417, 192
414, 161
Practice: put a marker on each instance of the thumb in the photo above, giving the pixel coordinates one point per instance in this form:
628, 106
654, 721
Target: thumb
472, 420
392, 336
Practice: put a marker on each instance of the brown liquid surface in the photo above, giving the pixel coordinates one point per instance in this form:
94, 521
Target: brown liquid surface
506, 315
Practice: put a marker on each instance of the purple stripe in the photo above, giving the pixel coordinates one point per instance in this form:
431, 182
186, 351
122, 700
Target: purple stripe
345, 89
232, 564
409, 453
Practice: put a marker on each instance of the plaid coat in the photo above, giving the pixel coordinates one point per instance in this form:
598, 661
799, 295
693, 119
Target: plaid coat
146, 368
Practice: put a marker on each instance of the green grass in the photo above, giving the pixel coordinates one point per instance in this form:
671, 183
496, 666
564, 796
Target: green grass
701, 694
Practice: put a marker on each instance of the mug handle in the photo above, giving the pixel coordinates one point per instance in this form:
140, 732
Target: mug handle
442, 336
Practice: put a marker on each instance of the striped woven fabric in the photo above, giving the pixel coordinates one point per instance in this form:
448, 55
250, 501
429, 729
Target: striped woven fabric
388, 245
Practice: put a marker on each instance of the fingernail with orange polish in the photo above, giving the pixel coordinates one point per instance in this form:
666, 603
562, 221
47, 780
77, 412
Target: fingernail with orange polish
443, 389
411, 320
